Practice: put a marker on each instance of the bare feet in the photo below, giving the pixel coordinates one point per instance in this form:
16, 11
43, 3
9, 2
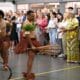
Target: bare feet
5, 67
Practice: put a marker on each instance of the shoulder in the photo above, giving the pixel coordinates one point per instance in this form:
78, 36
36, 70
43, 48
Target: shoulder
4, 21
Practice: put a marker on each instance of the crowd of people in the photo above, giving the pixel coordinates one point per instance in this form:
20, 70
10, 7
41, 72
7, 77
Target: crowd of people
47, 28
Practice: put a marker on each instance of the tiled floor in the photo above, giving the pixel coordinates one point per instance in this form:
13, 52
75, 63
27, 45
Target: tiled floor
45, 67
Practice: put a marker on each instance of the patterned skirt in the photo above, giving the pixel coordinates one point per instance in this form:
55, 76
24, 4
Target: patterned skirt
71, 47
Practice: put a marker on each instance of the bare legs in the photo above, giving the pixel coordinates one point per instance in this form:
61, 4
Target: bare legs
31, 56
4, 54
29, 75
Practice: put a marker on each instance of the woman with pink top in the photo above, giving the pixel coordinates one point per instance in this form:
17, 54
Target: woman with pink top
41, 22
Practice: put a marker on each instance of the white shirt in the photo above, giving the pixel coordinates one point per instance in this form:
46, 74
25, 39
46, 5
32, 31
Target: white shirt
62, 24
52, 23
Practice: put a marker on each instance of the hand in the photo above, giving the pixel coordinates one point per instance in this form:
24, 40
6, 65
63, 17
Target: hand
33, 47
63, 29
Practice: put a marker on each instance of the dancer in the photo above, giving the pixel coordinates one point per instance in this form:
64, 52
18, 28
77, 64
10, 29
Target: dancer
28, 40
4, 40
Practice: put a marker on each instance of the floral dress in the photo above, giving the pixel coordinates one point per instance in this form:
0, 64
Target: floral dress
71, 42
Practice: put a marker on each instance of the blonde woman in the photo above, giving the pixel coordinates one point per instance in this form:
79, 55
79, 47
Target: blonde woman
71, 38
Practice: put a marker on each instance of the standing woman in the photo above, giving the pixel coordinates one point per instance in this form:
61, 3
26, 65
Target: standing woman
28, 40
60, 34
14, 34
71, 38
41, 23
52, 28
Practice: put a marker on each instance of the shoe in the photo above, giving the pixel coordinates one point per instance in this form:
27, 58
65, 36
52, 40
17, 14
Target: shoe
65, 57
61, 55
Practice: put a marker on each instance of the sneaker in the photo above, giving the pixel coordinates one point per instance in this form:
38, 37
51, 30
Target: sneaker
61, 55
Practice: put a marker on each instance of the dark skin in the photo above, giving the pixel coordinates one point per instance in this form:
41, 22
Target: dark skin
4, 46
31, 54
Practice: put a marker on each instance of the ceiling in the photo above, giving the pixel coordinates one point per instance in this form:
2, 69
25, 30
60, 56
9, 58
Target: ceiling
35, 1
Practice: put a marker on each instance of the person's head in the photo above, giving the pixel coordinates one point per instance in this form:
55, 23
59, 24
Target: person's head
39, 14
38, 11
59, 17
1, 14
65, 16
13, 18
70, 12
70, 8
30, 15
53, 14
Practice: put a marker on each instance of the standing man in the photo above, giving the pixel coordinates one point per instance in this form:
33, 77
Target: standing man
4, 40
28, 40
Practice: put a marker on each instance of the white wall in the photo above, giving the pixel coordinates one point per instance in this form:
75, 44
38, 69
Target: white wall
7, 6
23, 7
73, 4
